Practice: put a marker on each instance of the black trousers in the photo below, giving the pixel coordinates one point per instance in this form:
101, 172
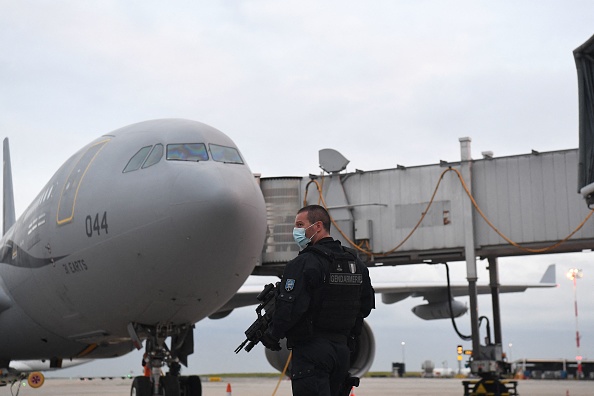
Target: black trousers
319, 367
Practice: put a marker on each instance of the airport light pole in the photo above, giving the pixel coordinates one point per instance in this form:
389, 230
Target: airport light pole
574, 274
403, 344
511, 358
510, 352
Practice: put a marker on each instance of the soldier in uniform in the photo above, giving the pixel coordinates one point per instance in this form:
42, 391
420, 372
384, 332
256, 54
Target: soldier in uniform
324, 294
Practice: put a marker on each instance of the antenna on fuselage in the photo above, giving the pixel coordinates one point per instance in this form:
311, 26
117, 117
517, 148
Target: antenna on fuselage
8, 215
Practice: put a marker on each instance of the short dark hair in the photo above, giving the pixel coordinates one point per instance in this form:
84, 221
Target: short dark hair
317, 213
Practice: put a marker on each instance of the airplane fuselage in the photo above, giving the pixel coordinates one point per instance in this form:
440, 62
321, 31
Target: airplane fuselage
157, 222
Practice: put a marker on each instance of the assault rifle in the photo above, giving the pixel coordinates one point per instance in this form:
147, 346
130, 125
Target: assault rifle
255, 332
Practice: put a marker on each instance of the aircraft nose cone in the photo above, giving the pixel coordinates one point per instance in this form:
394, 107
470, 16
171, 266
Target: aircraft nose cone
219, 219
214, 206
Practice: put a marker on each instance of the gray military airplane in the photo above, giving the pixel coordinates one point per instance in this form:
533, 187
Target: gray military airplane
138, 236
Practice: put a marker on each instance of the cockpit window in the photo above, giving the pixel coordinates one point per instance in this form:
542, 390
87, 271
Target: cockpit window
154, 157
187, 152
137, 160
225, 154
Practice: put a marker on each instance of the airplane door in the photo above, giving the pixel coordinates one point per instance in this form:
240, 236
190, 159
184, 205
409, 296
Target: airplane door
70, 190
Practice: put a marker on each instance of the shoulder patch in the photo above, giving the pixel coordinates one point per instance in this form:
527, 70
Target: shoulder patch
353, 267
289, 284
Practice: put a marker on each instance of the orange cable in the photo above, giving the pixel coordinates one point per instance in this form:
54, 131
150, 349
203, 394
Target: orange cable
474, 204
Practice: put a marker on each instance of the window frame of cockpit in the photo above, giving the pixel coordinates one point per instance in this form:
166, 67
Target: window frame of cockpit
145, 157
154, 156
183, 155
136, 161
219, 154
148, 156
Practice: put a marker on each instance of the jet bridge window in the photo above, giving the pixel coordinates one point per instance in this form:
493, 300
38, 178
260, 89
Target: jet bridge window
187, 152
225, 154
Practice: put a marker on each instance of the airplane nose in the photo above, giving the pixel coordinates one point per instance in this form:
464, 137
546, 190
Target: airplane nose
216, 205
222, 207
218, 226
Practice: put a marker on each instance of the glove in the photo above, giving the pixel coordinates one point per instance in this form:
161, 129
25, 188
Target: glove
270, 342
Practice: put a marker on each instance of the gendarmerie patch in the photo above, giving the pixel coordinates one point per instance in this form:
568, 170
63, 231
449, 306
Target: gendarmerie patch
289, 284
346, 279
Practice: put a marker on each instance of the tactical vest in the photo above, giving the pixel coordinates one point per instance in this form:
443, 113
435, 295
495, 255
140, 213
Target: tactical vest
336, 304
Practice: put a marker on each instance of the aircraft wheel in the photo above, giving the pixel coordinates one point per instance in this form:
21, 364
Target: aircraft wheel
193, 386
141, 386
170, 385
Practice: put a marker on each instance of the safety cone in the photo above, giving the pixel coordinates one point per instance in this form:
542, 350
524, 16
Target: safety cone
352, 391
228, 389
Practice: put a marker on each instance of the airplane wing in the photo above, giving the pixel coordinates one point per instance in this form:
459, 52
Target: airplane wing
391, 292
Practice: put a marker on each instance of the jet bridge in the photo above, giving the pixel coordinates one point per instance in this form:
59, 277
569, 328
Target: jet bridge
507, 206
451, 211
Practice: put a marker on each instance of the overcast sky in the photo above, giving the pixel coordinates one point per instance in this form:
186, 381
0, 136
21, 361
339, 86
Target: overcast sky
384, 82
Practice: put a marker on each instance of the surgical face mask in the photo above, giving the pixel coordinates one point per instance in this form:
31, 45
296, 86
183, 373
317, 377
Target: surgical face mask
300, 238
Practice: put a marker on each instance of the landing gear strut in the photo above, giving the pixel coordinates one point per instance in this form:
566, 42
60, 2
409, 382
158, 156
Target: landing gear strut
158, 354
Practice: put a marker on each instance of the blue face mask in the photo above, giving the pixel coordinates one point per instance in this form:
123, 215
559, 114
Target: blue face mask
300, 238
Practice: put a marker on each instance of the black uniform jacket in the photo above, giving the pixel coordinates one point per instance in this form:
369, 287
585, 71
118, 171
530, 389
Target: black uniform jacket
301, 276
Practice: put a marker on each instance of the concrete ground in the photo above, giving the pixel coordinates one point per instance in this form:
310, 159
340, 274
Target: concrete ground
266, 386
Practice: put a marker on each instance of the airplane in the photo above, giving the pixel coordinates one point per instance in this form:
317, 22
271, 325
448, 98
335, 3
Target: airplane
138, 236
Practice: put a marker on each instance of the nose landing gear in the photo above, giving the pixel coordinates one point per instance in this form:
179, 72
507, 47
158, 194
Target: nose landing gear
158, 354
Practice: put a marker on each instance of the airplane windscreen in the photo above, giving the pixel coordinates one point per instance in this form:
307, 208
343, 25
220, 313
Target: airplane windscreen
225, 154
137, 159
187, 152
154, 157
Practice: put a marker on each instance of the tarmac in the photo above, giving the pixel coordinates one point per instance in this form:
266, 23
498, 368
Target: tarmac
266, 386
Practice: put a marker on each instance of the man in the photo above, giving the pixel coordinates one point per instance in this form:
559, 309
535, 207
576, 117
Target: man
324, 294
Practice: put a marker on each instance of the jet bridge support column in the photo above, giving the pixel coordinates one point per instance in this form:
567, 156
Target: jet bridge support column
469, 250
494, 283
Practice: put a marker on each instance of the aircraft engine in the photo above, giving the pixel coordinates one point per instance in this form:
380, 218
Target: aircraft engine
440, 310
361, 359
